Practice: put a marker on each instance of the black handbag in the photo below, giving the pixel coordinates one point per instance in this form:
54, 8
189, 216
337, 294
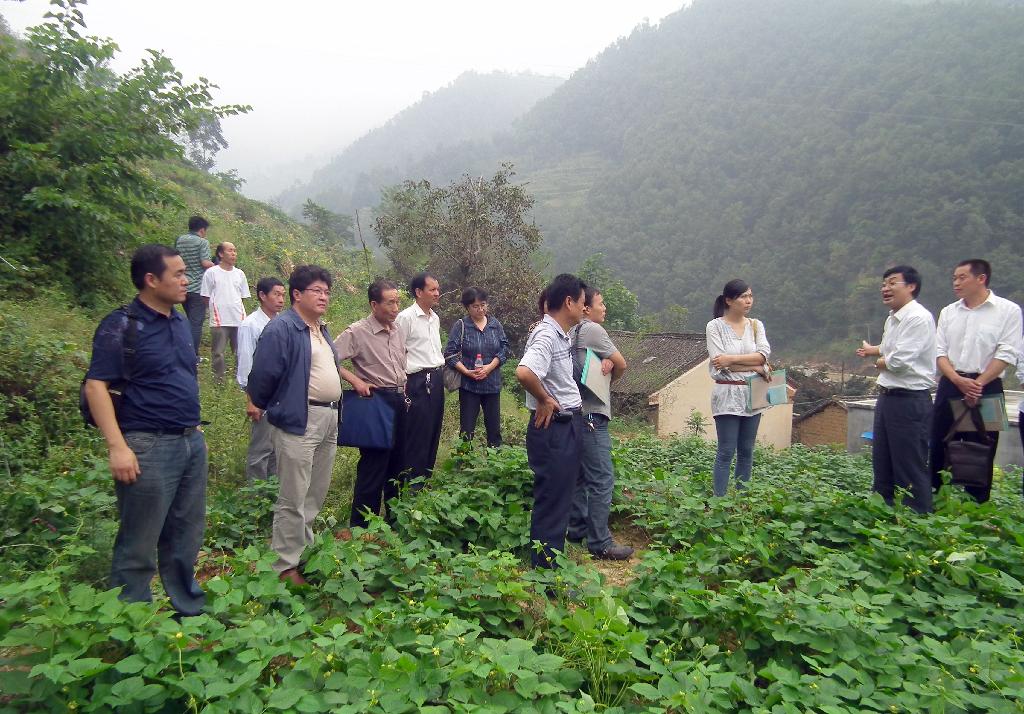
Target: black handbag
969, 462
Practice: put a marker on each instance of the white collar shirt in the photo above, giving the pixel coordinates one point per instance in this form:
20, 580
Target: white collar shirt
971, 338
248, 335
908, 348
422, 333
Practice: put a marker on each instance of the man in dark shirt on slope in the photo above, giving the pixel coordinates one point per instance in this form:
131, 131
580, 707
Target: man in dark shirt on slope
157, 453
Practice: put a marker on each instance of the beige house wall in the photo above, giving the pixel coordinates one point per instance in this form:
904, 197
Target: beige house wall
692, 390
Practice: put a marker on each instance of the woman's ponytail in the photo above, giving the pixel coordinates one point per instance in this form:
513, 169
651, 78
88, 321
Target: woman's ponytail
720, 305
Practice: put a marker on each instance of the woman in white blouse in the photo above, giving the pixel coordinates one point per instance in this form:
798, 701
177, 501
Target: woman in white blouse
738, 348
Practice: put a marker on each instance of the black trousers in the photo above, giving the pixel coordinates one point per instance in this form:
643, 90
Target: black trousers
470, 404
1020, 427
554, 457
378, 470
423, 428
942, 420
899, 449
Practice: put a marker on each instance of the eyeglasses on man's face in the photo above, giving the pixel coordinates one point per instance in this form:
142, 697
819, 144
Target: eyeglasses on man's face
890, 284
318, 292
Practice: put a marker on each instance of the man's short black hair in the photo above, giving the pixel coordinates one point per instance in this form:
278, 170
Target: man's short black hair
265, 285
910, 276
305, 275
197, 223
419, 282
589, 293
218, 253
563, 286
375, 292
978, 267
150, 259
471, 295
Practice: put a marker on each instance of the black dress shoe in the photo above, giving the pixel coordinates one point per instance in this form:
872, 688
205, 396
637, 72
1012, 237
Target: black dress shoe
614, 552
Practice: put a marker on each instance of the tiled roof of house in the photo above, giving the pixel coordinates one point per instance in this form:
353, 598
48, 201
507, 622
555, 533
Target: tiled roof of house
655, 359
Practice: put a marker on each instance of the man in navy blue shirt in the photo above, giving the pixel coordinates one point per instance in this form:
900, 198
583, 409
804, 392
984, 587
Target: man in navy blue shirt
157, 453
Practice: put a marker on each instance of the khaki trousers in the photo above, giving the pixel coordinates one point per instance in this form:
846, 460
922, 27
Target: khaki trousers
304, 465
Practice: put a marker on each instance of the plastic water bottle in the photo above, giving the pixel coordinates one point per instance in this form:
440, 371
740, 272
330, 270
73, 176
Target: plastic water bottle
479, 362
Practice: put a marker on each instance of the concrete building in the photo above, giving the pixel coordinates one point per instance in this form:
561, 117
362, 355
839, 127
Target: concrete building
668, 382
861, 416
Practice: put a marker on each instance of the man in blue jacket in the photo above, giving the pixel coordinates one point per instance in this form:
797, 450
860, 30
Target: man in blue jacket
296, 383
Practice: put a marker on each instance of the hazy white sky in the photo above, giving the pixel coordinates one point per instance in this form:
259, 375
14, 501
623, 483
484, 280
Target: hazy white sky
319, 74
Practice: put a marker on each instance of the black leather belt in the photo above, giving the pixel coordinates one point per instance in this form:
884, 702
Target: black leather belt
329, 405
969, 375
901, 392
396, 390
177, 431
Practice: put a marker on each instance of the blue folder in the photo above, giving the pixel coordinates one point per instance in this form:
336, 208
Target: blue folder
366, 422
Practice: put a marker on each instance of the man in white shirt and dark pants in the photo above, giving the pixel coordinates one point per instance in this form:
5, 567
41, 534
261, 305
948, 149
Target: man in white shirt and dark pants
905, 360
421, 328
976, 340
259, 462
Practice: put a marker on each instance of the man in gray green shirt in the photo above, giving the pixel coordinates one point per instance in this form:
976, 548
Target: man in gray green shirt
195, 251
593, 498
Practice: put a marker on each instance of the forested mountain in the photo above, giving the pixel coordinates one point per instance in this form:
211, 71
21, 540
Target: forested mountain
801, 144
473, 107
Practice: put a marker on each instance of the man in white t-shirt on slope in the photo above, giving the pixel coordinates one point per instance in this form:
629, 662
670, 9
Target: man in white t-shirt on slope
260, 461
223, 288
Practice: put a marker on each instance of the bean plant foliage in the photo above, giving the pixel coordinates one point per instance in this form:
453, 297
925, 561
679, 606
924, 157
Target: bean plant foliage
802, 593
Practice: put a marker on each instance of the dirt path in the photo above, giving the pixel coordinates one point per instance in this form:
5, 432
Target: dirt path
619, 573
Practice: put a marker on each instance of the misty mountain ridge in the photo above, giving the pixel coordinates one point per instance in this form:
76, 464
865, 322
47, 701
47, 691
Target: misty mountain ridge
473, 107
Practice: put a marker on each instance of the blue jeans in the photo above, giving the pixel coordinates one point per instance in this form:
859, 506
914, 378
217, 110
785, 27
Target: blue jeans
736, 435
163, 518
593, 499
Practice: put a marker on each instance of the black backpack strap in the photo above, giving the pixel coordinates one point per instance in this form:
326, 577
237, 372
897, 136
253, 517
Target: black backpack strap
129, 341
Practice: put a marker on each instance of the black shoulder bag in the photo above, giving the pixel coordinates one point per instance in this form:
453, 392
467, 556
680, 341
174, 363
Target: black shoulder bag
116, 388
969, 461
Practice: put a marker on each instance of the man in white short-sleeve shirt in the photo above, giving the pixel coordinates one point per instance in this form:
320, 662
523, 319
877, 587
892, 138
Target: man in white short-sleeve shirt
224, 287
554, 432
421, 329
976, 339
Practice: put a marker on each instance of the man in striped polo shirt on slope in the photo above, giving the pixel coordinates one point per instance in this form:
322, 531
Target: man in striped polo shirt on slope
195, 251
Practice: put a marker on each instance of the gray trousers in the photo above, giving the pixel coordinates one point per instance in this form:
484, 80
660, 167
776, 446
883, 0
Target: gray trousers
220, 337
260, 461
304, 465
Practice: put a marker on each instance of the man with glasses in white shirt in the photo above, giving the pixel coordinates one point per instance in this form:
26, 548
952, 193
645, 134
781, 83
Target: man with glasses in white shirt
976, 339
905, 360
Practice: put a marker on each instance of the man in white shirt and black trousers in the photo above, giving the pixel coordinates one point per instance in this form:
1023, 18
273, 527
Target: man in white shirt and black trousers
905, 360
976, 340
259, 461
421, 328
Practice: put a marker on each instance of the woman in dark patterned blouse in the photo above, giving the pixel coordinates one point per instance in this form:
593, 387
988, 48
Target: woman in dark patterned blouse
478, 334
